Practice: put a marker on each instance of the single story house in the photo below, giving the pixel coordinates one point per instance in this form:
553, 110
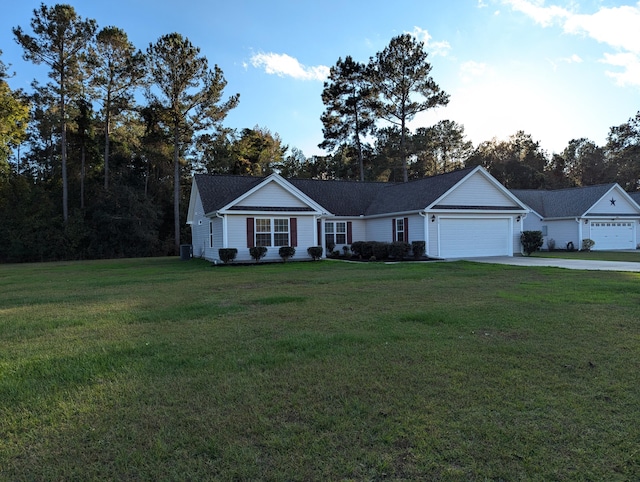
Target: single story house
464, 213
605, 214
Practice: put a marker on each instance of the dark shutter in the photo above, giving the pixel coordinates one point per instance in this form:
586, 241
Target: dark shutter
251, 240
319, 232
393, 230
406, 230
293, 228
349, 232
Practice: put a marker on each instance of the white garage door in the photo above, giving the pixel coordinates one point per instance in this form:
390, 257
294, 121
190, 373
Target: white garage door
612, 235
472, 237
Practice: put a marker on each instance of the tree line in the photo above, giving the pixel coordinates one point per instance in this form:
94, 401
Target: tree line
96, 161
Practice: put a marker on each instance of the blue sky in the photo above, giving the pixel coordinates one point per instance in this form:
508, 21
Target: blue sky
556, 69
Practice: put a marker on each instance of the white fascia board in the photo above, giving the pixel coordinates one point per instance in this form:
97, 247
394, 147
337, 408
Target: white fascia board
285, 185
392, 215
621, 192
490, 178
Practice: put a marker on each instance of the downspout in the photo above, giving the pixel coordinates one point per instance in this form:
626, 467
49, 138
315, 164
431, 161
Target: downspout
580, 237
425, 230
225, 238
321, 241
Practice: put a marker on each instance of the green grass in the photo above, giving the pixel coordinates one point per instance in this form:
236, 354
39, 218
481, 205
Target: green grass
158, 369
627, 256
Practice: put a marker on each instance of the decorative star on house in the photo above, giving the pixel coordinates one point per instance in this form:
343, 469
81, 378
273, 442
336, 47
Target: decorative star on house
613, 201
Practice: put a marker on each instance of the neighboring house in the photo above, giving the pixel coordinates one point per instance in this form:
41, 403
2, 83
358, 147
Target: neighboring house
460, 214
605, 214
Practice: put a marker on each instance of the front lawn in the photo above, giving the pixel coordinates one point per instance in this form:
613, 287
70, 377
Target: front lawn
158, 369
627, 256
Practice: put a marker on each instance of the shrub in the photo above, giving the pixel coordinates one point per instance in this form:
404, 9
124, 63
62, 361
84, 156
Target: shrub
345, 251
227, 254
330, 247
398, 249
363, 249
418, 248
258, 252
551, 244
587, 244
286, 252
531, 241
315, 252
570, 246
380, 249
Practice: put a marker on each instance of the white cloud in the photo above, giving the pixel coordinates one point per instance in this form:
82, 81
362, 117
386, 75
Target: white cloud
545, 16
441, 48
617, 27
284, 65
630, 64
471, 70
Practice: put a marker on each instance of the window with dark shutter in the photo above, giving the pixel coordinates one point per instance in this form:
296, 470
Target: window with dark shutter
250, 233
293, 227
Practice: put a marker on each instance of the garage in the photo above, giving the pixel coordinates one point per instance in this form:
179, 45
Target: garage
612, 235
475, 237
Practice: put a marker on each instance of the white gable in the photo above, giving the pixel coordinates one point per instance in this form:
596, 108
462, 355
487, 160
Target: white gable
272, 194
477, 190
621, 204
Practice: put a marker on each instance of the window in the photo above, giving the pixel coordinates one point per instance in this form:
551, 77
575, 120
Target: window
335, 233
211, 234
281, 232
400, 230
272, 232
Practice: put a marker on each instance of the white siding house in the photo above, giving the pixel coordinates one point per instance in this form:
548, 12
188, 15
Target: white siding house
605, 214
459, 214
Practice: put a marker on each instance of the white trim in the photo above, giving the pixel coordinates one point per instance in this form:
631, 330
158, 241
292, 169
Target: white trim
294, 191
491, 179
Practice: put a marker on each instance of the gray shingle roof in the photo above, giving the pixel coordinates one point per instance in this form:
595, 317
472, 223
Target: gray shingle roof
218, 191
561, 203
414, 195
635, 196
342, 198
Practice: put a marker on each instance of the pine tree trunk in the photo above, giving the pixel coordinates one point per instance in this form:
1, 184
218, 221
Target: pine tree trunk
176, 188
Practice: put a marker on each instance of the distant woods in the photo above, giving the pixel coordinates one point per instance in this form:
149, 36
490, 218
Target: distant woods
96, 159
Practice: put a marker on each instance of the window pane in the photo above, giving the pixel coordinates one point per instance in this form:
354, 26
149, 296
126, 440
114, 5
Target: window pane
281, 239
328, 228
281, 225
341, 239
400, 224
263, 225
328, 239
341, 227
263, 239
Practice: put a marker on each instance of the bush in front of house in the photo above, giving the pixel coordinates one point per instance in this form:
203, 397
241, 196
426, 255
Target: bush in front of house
531, 241
380, 249
315, 252
587, 244
399, 249
227, 254
286, 252
551, 244
258, 252
370, 250
418, 248
361, 249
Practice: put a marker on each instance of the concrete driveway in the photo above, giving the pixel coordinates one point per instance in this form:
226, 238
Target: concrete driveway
560, 263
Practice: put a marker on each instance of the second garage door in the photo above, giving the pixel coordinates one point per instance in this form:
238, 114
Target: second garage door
612, 235
473, 237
